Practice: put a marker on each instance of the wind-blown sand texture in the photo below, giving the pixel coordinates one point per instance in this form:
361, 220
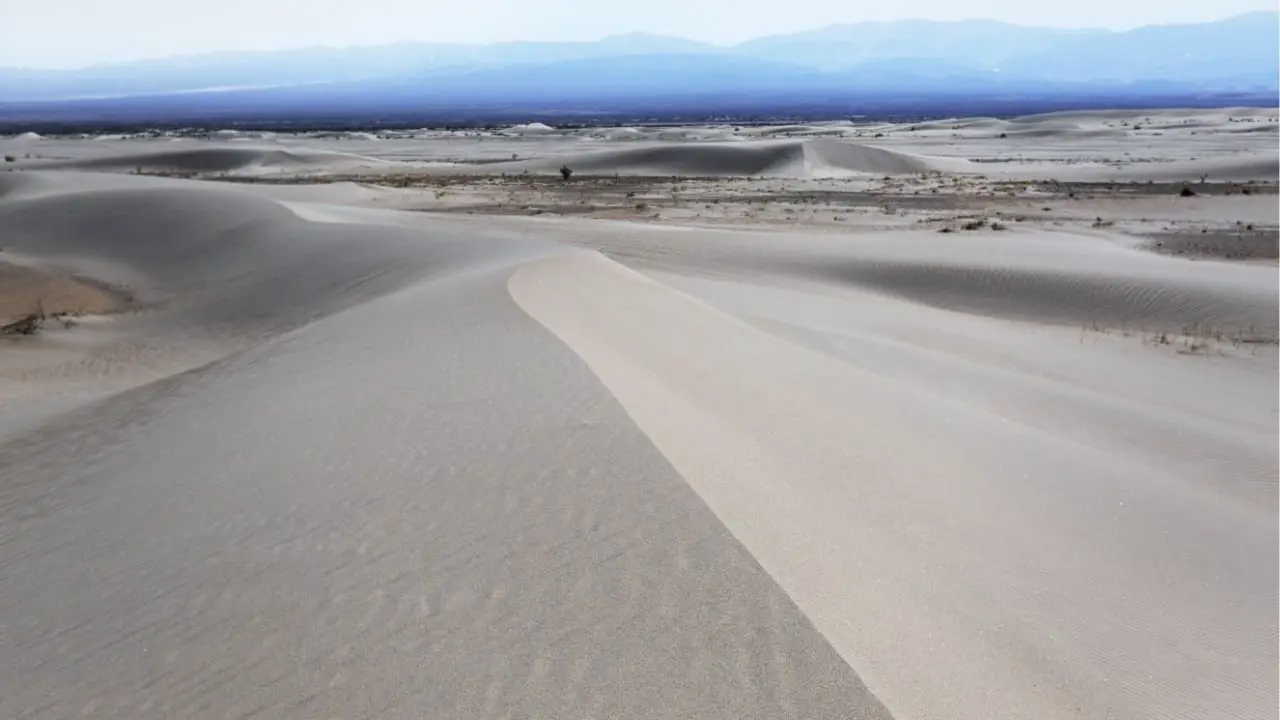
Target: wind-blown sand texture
387, 447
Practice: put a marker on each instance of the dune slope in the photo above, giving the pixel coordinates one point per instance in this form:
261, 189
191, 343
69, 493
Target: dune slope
1031, 526
235, 159
784, 158
432, 466
406, 498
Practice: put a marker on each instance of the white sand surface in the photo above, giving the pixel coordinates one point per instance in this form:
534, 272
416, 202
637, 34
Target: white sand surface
787, 158
1236, 144
1018, 555
350, 451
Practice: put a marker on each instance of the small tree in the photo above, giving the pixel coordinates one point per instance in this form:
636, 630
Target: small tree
566, 172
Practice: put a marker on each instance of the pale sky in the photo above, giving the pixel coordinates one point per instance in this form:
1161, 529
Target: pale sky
73, 33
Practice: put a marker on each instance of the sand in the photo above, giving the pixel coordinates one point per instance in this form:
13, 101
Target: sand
967, 526
26, 290
382, 432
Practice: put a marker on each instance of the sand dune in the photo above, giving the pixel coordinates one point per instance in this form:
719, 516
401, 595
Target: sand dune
1117, 300
536, 587
709, 160
789, 158
970, 525
535, 128
1056, 278
796, 131
617, 134
1095, 141
1217, 115
342, 460
1118, 125
244, 160
226, 256
1059, 130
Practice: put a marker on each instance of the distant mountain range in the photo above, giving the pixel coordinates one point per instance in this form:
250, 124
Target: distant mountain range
978, 56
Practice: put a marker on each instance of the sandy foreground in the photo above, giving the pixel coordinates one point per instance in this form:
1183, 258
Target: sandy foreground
964, 419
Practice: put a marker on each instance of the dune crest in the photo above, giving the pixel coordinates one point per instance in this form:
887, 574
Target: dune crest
783, 159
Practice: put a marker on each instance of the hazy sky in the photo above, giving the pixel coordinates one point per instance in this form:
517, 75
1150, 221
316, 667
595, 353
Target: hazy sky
71, 33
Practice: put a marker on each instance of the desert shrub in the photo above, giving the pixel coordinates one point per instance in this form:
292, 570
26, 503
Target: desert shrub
566, 172
27, 325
